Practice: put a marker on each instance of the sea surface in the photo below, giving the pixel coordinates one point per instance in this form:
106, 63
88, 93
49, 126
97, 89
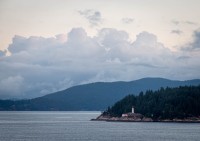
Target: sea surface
76, 126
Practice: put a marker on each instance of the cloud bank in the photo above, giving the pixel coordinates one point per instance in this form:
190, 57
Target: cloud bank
37, 66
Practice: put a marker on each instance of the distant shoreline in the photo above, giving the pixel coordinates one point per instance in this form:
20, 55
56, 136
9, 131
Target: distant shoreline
164, 121
122, 119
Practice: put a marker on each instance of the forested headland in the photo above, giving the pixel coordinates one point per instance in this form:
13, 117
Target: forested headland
165, 103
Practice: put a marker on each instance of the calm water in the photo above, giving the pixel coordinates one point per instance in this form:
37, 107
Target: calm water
76, 126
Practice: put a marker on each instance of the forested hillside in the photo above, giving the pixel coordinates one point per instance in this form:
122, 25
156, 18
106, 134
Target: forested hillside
165, 103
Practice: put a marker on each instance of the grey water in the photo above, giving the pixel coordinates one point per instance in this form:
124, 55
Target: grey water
76, 126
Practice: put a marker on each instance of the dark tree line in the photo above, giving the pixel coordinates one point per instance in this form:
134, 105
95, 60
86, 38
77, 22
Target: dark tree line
168, 103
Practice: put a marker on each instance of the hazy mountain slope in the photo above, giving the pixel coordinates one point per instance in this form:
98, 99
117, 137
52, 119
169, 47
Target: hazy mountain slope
95, 96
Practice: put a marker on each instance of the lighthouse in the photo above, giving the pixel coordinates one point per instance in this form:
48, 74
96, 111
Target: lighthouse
133, 110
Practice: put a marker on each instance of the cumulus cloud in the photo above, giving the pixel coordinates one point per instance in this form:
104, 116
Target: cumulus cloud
149, 52
178, 32
145, 39
93, 16
127, 20
37, 66
112, 38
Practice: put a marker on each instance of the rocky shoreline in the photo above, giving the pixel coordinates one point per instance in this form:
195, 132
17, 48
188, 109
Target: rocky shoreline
144, 119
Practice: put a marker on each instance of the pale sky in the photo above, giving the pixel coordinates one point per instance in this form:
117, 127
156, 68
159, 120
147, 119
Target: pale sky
50, 45
50, 17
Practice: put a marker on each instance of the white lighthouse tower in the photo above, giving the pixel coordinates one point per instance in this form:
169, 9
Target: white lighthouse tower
133, 110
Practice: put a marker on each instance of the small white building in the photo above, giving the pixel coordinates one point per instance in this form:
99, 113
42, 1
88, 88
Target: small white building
129, 114
133, 111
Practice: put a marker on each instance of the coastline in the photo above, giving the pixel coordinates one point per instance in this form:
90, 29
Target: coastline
145, 119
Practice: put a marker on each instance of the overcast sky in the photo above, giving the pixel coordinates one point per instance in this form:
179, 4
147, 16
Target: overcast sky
50, 45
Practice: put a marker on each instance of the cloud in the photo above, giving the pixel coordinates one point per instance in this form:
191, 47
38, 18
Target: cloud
127, 20
37, 66
20, 44
145, 39
195, 43
148, 52
178, 32
93, 16
11, 86
183, 57
33, 42
2, 53
190, 23
109, 37
177, 22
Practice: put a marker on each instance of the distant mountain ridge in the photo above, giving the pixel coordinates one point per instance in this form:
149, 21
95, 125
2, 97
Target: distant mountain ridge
94, 96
